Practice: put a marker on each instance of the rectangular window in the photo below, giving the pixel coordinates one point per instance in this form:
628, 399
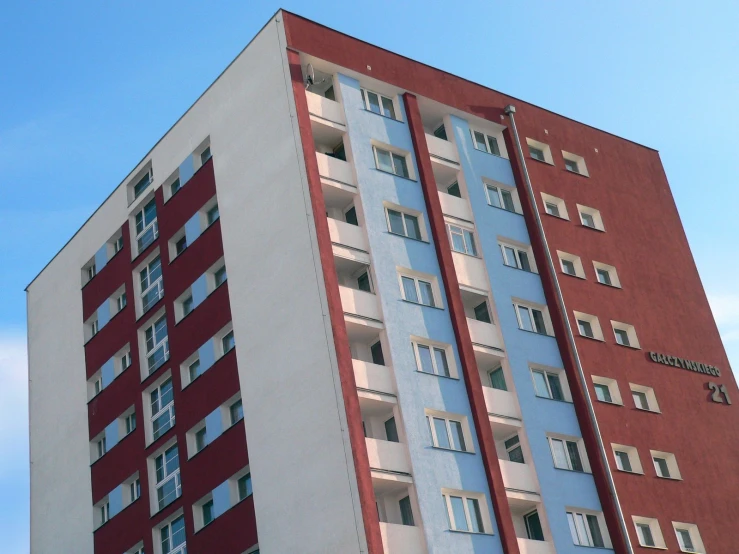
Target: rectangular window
172, 537
377, 355
167, 466
622, 337
447, 433
390, 162
406, 513
378, 103
585, 328
237, 412
513, 448
497, 379
121, 301
142, 185
552, 209
644, 531
130, 422
547, 384
640, 400
244, 485
685, 540
463, 240
530, 319
604, 276
228, 342
585, 529
603, 392
499, 197
588, 220
207, 512
118, 245
485, 143
515, 257
431, 359
205, 155
104, 512
162, 409
417, 290
568, 267
623, 462
213, 215
147, 229
464, 512
571, 165
187, 305
440, 132
135, 490
401, 223
566, 454
220, 276
157, 344
152, 285
180, 245
537, 153
201, 439
661, 467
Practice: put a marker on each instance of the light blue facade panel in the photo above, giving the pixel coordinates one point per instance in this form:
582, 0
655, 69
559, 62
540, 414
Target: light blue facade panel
115, 500
207, 356
199, 290
192, 229
107, 372
559, 488
433, 469
103, 314
101, 257
213, 425
187, 170
111, 435
221, 499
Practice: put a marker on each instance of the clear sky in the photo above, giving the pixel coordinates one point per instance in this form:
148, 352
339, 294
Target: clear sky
87, 87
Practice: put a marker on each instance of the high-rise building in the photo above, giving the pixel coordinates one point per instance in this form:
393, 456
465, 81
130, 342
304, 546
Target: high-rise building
410, 313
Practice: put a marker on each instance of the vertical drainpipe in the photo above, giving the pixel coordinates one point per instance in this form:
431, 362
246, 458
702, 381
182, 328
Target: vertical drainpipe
510, 110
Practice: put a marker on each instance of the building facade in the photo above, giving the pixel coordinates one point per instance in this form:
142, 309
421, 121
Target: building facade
350, 303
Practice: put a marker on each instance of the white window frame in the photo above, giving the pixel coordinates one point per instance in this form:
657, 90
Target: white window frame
612, 274
633, 456
558, 202
163, 409
466, 496
146, 173
365, 101
671, 461
630, 333
695, 537
490, 139
499, 189
147, 226
546, 150
612, 388
574, 260
594, 325
652, 404
426, 278
579, 161
592, 212
406, 212
555, 372
393, 152
470, 246
518, 248
431, 345
167, 477
530, 306
579, 444
156, 286
448, 417
654, 528
161, 344
181, 548
575, 532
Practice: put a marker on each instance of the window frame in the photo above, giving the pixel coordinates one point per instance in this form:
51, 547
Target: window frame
695, 537
579, 161
467, 236
393, 153
492, 144
148, 286
531, 307
548, 372
594, 214
433, 346
167, 476
143, 240
632, 454
651, 397
592, 321
498, 191
163, 409
613, 389
448, 418
365, 92
162, 343
518, 249
654, 530
576, 262
482, 516
566, 441
630, 334
405, 213
585, 516
417, 278
543, 147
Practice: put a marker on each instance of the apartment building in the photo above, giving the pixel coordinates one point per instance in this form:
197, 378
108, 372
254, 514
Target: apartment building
350, 303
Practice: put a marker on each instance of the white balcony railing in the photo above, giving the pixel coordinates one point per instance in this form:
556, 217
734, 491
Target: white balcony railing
441, 148
485, 334
527, 546
455, 207
335, 169
387, 455
500, 402
373, 377
470, 271
518, 476
401, 539
358, 302
346, 234
325, 109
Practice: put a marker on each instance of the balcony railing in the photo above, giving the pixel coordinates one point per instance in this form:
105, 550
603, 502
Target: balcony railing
323, 108
401, 539
373, 377
169, 489
485, 334
347, 234
527, 546
387, 455
360, 303
500, 402
443, 149
455, 207
518, 476
335, 169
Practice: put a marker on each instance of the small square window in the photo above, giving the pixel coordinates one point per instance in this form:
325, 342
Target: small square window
603, 393
665, 465
575, 163
449, 431
379, 104
213, 215
567, 452
688, 537
462, 239
606, 275
606, 390
244, 486
419, 289
485, 142
531, 318
433, 358
625, 334
590, 217
644, 398
539, 151
517, 256
627, 458
220, 276
554, 206
505, 198
548, 383
648, 532
391, 162
588, 326
236, 411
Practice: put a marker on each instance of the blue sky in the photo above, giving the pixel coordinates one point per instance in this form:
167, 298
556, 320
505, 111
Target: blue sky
88, 87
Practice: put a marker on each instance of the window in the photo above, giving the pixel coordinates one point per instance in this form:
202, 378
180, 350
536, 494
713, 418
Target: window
378, 103
172, 537
648, 532
534, 530
404, 224
194, 370
575, 163
227, 342
244, 486
130, 422
536, 153
513, 448
180, 245
463, 240
391, 430
644, 398
516, 256
554, 206
118, 245
606, 390
237, 412
142, 184
101, 447
167, 467
377, 355
625, 334
540, 151
91, 271
566, 453
432, 359
497, 379
571, 264
585, 529
187, 305
157, 344
162, 409
454, 190
104, 512
590, 217
212, 215
98, 386
207, 509
417, 290
94, 327
606, 274
665, 464
502, 197
391, 162
447, 432
530, 319
440, 132
627, 458
147, 229
406, 512
688, 537
205, 155
220, 276
588, 326
135, 490
175, 186
464, 511
485, 143
201, 439
547, 384
152, 285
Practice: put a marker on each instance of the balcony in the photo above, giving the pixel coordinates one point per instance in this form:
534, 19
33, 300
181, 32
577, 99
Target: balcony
501, 403
335, 170
519, 477
470, 271
328, 111
455, 207
346, 234
484, 334
387, 456
442, 151
527, 546
373, 377
401, 539
359, 303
